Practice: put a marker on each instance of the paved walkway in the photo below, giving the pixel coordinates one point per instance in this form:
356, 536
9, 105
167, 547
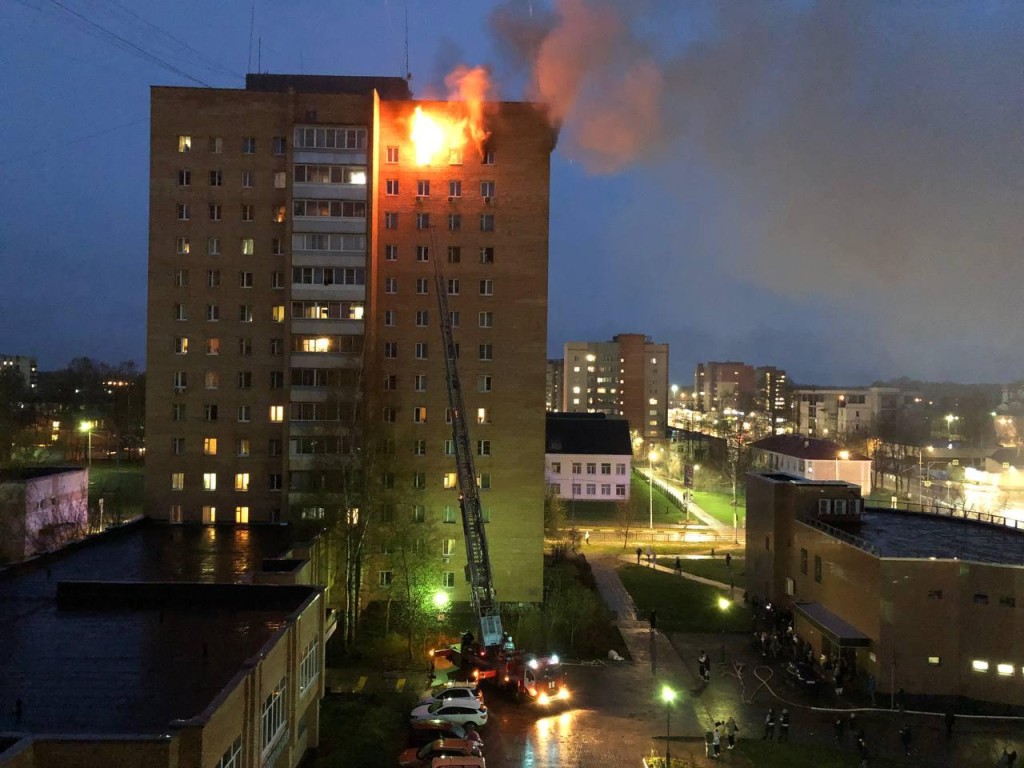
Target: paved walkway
743, 686
737, 593
678, 492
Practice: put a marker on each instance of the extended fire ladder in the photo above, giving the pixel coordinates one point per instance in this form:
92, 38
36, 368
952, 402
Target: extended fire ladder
478, 567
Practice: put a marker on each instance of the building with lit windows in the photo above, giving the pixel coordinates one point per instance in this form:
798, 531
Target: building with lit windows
927, 602
845, 413
811, 459
293, 321
717, 386
553, 385
589, 457
627, 376
162, 645
25, 367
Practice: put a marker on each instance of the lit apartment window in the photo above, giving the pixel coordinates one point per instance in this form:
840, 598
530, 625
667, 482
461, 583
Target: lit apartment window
211, 380
209, 446
177, 481
242, 481
483, 416
209, 481
209, 515
248, 246
242, 515
243, 447
280, 214
1004, 670
280, 179
277, 313
177, 513
419, 414
277, 413
449, 481
184, 144
181, 345
979, 666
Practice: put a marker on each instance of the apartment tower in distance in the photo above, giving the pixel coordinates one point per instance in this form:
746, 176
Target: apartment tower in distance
295, 230
627, 376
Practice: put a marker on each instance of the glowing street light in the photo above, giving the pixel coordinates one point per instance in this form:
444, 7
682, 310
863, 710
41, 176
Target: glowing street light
87, 427
668, 696
441, 600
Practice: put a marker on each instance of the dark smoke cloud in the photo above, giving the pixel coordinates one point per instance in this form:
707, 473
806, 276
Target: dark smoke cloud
868, 153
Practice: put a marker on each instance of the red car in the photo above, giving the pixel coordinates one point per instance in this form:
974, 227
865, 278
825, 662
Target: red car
422, 757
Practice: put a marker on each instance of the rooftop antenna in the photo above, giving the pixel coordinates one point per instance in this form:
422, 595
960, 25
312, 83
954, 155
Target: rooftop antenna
252, 21
408, 72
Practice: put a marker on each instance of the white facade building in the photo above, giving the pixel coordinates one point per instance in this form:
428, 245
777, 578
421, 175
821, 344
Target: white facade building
811, 459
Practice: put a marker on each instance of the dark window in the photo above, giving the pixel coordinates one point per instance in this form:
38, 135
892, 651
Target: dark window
803, 561
980, 599
1008, 602
768, 543
934, 594
817, 569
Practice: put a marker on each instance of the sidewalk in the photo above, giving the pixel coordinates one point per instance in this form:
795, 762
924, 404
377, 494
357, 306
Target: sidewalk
673, 489
736, 593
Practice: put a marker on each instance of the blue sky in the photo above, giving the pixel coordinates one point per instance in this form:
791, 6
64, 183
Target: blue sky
834, 188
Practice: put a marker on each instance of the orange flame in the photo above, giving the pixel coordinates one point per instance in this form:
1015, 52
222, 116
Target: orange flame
436, 136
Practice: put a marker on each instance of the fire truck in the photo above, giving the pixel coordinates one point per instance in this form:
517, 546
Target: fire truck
534, 678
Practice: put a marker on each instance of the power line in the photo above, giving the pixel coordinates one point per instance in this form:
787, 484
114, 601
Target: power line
129, 44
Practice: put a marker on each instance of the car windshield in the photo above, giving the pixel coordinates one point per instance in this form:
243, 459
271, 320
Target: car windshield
435, 707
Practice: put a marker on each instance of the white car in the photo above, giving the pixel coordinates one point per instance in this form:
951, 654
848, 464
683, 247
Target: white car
461, 712
454, 693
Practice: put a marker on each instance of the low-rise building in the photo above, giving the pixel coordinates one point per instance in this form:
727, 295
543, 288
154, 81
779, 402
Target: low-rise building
588, 457
927, 603
811, 459
42, 509
148, 646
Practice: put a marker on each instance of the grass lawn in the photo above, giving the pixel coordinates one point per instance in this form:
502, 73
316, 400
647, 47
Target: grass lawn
682, 605
361, 731
718, 504
120, 487
605, 512
710, 568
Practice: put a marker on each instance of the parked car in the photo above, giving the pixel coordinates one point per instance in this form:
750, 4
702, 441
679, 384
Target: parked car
802, 674
462, 712
424, 731
458, 762
455, 693
423, 756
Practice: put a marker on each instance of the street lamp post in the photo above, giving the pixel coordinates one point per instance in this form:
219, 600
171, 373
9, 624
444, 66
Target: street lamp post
87, 427
668, 696
724, 604
651, 456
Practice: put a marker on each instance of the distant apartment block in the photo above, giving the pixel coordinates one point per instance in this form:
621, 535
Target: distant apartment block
845, 413
588, 457
717, 386
811, 459
772, 395
26, 367
554, 381
627, 376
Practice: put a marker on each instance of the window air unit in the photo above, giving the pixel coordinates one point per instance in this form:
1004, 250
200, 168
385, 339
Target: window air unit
451, 199
179, 389
487, 200
419, 199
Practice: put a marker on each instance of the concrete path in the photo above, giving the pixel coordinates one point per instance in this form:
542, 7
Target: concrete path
678, 492
736, 593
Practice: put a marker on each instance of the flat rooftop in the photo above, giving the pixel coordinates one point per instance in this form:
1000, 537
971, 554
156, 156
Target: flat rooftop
895, 533
132, 658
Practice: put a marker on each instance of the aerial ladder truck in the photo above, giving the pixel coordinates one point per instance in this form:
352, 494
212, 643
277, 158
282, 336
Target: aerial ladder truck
534, 678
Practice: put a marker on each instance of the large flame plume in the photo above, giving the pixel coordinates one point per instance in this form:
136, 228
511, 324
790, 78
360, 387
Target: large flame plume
436, 134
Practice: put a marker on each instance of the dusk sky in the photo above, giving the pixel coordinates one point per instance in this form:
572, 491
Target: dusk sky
836, 188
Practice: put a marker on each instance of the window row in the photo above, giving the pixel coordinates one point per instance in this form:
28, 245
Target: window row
214, 280
213, 315
274, 717
330, 138
329, 174
1004, 669
486, 221
338, 243
338, 209
453, 286
216, 178
420, 351
328, 276
486, 254
247, 212
591, 489
328, 310
327, 344
422, 318
449, 481
211, 380
391, 188
591, 466
298, 446
392, 155
241, 481
215, 144
390, 414
212, 411
211, 516
386, 577
246, 246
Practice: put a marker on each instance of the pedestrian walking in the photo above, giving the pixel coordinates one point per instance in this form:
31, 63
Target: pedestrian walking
653, 619
839, 726
728, 560
709, 744
769, 725
679, 566
784, 725
730, 731
950, 722
872, 688
839, 681
1011, 758
586, 537
862, 745
716, 740
901, 700
638, 553
906, 736
704, 666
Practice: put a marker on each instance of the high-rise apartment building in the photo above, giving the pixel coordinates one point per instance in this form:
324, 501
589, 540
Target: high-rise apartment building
293, 324
627, 376
25, 367
554, 380
717, 386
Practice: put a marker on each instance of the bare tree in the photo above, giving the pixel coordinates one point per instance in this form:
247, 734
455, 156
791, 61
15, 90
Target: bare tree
625, 516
